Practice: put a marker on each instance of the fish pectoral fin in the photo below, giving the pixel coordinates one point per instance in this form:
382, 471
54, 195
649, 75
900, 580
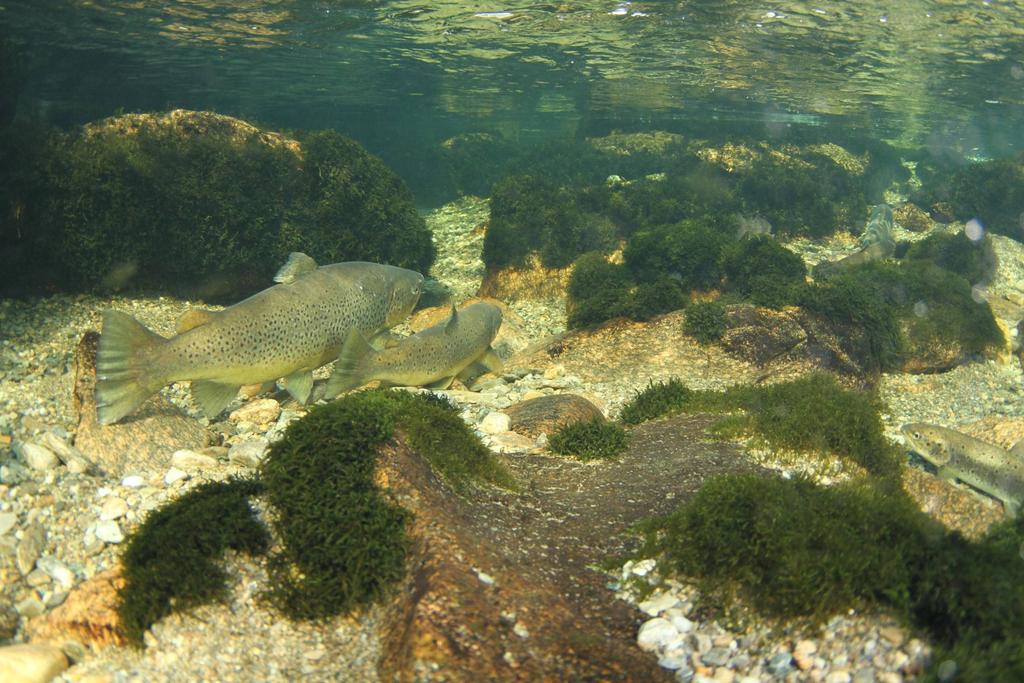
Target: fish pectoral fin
299, 384
1017, 449
347, 374
296, 265
492, 361
193, 318
946, 474
1011, 507
213, 397
442, 383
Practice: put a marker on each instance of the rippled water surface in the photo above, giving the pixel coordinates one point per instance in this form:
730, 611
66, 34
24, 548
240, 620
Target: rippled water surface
916, 72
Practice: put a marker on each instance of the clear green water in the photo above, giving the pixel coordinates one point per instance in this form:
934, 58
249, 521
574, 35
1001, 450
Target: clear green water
397, 76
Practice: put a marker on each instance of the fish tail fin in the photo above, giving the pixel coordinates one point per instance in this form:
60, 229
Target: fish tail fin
348, 369
123, 362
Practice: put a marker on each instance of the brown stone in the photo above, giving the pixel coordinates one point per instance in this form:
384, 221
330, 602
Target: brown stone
88, 615
142, 441
546, 414
501, 585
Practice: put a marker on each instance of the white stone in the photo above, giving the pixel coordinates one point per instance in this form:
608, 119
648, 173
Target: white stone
56, 570
681, 623
674, 659
133, 481
190, 461
113, 508
657, 634
248, 453
553, 371
533, 393
35, 456
495, 423
73, 459
26, 663
644, 567
174, 475
7, 522
838, 677
658, 603
109, 531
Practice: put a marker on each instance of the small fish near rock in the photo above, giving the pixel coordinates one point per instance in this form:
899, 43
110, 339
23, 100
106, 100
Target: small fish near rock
987, 467
287, 330
459, 347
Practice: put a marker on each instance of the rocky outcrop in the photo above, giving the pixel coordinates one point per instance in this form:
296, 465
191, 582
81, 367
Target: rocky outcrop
88, 616
143, 441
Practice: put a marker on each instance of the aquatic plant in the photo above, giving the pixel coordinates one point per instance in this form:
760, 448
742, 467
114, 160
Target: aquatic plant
434, 428
803, 193
793, 549
656, 400
352, 207
762, 271
689, 251
343, 543
975, 261
595, 439
705, 321
533, 215
598, 291
992, 192
148, 202
170, 561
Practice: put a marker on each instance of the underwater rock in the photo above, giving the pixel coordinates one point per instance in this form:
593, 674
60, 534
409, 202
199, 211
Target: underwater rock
89, 615
546, 414
523, 626
145, 441
24, 663
911, 217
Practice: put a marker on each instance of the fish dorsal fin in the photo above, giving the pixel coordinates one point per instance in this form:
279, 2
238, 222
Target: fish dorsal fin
192, 318
1017, 449
452, 321
296, 265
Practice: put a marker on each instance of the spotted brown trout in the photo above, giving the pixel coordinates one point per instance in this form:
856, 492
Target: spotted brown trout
458, 347
987, 467
287, 330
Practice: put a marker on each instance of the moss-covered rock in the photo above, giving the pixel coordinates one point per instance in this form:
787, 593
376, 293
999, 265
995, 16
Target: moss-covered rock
175, 201
993, 193
598, 291
762, 271
689, 251
530, 214
975, 261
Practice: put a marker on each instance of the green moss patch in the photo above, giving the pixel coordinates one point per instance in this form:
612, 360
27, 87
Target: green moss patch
170, 561
343, 544
792, 549
705, 321
811, 414
435, 429
176, 203
594, 439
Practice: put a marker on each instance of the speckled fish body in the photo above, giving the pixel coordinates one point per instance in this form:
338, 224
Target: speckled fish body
987, 467
286, 330
459, 347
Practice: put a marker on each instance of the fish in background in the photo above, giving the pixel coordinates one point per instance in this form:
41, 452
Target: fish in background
876, 244
752, 226
987, 467
286, 330
434, 357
